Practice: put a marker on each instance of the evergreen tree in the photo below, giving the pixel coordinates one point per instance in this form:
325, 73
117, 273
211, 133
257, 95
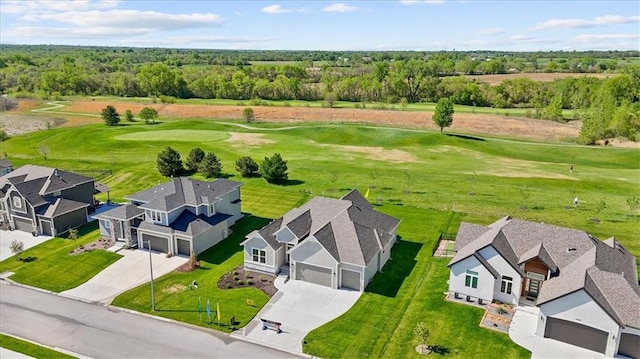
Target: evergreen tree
274, 169
195, 157
110, 116
210, 166
247, 167
169, 162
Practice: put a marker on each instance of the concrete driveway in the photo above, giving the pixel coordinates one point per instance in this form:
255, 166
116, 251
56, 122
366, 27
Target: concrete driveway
126, 273
523, 332
6, 237
300, 307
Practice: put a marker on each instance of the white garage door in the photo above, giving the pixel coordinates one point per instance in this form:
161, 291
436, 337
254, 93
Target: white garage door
313, 274
350, 279
23, 224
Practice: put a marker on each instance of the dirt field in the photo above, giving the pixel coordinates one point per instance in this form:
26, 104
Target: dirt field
482, 124
537, 76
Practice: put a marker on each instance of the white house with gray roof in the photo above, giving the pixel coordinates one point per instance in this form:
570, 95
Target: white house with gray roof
180, 216
587, 290
338, 243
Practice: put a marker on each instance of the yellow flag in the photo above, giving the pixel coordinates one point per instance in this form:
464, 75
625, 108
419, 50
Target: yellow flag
218, 310
366, 195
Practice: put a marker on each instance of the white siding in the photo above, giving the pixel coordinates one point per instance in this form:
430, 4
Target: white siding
104, 232
578, 307
209, 238
386, 253
225, 206
286, 236
174, 214
503, 268
280, 256
370, 271
486, 281
311, 252
259, 243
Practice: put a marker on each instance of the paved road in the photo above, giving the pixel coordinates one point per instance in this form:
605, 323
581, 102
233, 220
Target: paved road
106, 332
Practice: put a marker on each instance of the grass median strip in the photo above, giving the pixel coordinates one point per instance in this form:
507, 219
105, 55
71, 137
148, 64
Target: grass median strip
30, 349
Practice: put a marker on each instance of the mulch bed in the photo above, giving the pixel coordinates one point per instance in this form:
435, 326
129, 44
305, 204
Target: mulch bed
188, 267
498, 317
99, 244
240, 278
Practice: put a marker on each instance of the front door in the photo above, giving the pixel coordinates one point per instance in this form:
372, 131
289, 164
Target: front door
534, 288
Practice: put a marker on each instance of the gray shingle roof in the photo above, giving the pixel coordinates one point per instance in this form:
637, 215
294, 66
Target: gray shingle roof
183, 191
357, 198
124, 212
605, 270
350, 232
466, 233
62, 206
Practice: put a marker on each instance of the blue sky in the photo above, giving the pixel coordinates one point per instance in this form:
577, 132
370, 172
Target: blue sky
517, 25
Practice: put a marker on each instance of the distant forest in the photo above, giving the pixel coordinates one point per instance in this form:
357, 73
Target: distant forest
608, 107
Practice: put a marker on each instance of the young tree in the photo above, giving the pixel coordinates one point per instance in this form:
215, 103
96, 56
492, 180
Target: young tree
247, 167
110, 116
210, 166
73, 235
443, 115
44, 151
16, 247
525, 193
248, 115
128, 115
601, 205
169, 162
274, 169
422, 334
148, 114
195, 157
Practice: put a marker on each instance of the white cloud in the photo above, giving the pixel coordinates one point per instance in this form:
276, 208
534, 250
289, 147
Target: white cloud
44, 6
606, 37
520, 37
606, 20
176, 41
429, 2
491, 31
133, 19
278, 9
340, 7
73, 32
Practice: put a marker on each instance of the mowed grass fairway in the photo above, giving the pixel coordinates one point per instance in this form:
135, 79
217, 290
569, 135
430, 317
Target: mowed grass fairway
430, 181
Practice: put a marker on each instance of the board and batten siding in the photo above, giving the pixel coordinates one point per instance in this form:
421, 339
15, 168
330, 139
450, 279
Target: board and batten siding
486, 281
70, 220
578, 307
209, 238
81, 193
371, 269
503, 268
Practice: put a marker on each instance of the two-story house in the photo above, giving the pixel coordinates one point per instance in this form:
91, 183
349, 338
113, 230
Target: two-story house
586, 289
181, 216
43, 200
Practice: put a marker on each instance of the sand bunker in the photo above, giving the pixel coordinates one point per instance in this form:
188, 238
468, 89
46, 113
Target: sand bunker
248, 139
380, 154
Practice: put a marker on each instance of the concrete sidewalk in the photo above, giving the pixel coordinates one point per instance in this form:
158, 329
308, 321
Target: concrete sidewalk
300, 307
523, 332
126, 273
27, 239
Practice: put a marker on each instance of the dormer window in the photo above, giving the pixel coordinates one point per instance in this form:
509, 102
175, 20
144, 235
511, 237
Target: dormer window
17, 202
155, 216
56, 194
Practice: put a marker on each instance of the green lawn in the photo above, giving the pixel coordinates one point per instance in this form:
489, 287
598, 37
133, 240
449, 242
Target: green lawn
49, 265
30, 349
420, 177
175, 300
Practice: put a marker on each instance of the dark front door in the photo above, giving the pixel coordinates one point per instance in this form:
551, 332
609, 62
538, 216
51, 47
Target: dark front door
534, 288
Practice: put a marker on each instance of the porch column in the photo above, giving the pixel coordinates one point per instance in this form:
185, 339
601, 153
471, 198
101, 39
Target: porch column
113, 230
127, 232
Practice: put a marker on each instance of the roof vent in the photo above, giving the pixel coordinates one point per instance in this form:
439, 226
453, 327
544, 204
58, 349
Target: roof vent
571, 249
55, 173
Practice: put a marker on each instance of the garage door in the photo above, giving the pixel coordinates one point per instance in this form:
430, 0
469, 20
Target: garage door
576, 334
350, 279
184, 247
629, 345
23, 224
157, 243
313, 274
46, 228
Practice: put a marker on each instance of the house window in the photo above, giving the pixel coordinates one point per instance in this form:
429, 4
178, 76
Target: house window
17, 202
56, 194
259, 255
212, 210
156, 216
506, 284
471, 279
106, 224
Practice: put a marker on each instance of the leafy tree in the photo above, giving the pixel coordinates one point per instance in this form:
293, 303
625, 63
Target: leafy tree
443, 115
274, 169
248, 115
73, 235
148, 114
128, 115
110, 116
194, 159
169, 162
247, 167
422, 334
210, 166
